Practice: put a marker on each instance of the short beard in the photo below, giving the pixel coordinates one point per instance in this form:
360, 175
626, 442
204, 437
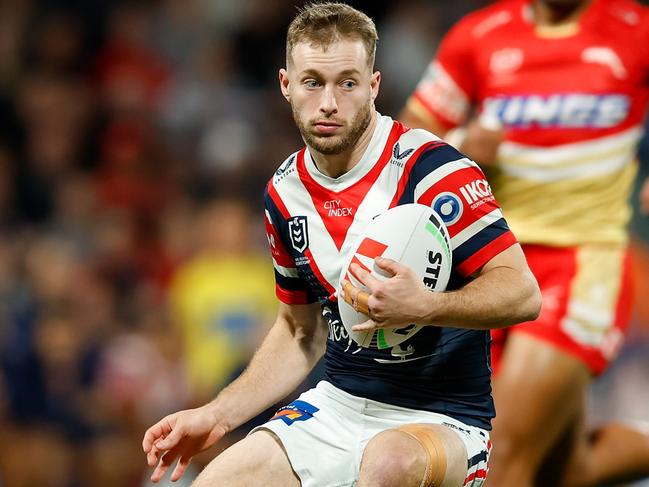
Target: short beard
333, 145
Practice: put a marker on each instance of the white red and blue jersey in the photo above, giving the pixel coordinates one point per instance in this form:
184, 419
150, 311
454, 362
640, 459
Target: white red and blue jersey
313, 220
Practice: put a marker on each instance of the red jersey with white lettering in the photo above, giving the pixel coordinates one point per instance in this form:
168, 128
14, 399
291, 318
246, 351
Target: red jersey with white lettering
572, 100
312, 222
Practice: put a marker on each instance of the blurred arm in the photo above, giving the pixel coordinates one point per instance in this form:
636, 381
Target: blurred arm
477, 139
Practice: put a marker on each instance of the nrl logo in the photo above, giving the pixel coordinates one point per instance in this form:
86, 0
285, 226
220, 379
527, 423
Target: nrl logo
298, 233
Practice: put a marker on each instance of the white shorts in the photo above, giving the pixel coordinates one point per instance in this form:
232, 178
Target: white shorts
325, 431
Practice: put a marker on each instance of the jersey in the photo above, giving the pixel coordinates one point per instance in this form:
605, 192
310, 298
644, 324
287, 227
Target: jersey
312, 222
571, 100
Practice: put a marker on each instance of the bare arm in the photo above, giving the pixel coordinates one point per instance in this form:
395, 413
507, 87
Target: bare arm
291, 349
479, 139
503, 293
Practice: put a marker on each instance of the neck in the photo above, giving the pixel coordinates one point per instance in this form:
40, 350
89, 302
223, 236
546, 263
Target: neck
335, 165
553, 15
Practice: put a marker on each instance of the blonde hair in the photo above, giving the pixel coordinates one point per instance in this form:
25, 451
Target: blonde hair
321, 24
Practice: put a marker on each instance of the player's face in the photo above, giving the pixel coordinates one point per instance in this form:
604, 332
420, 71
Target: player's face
331, 93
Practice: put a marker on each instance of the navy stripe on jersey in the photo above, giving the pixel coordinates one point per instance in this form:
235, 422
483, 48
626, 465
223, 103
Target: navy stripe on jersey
306, 279
431, 160
479, 240
290, 283
480, 457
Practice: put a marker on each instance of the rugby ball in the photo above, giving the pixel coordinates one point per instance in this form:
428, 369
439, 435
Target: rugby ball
411, 234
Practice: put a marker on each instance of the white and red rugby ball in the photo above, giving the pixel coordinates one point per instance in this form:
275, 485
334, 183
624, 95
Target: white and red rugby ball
411, 234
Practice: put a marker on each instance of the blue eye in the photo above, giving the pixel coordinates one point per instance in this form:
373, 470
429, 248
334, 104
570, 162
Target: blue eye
311, 83
349, 84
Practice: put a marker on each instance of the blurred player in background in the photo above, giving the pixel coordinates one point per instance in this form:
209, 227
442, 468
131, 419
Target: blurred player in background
382, 419
550, 96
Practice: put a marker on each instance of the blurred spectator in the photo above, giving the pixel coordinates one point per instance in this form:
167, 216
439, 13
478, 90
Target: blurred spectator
220, 297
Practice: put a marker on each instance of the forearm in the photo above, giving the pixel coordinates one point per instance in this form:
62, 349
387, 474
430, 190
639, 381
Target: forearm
283, 361
497, 298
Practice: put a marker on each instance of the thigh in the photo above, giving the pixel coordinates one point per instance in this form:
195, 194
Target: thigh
258, 459
320, 432
539, 394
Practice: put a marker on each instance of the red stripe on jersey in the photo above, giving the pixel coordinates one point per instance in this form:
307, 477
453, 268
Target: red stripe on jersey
291, 297
486, 253
480, 474
371, 248
316, 272
349, 198
403, 181
279, 253
455, 183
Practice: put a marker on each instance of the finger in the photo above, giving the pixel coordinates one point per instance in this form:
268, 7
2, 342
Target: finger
171, 440
165, 462
355, 297
152, 456
181, 466
348, 289
392, 267
367, 279
368, 325
154, 433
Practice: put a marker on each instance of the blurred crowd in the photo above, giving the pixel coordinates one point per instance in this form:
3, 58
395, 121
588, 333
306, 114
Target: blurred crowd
136, 138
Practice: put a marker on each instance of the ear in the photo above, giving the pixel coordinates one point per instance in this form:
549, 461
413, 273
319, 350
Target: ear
284, 83
375, 82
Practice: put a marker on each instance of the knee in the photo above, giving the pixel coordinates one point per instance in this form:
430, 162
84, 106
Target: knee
392, 459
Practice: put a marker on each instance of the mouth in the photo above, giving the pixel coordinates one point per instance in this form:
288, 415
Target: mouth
326, 127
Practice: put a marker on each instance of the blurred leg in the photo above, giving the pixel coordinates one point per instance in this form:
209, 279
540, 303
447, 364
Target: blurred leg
610, 454
258, 459
539, 395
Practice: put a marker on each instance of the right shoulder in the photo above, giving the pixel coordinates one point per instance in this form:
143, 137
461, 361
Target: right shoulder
285, 181
286, 170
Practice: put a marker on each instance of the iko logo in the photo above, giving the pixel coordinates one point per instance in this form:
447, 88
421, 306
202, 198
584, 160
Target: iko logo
298, 233
575, 110
448, 206
476, 190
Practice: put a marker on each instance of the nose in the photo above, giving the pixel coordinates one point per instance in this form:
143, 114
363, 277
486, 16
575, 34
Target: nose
328, 104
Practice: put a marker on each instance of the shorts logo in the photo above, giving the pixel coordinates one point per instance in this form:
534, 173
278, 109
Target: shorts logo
448, 206
298, 233
296, 411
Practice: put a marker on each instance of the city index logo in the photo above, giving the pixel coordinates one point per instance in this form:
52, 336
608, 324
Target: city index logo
476, 190
296, 411
335, 208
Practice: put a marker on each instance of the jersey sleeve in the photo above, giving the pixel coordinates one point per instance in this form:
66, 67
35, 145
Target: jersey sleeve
290, 288
457, 189
447, 88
